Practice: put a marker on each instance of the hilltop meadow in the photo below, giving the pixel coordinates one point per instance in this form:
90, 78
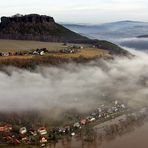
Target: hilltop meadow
30, 61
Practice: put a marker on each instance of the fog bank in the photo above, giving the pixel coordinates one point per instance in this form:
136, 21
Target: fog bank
137, 43
80, 86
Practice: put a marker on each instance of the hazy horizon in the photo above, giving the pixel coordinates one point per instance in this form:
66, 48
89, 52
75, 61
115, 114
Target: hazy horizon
101, 23
84, 11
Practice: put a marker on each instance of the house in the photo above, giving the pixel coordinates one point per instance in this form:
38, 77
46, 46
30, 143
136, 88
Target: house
69, 50
91, 118
83, 122
43, 140
35, 52
73, 134
123, 106
42, 53
24, 139
33, 132
99, 110
5, 54
116, 102
23, 130
77, 125
61, 130
42, 131
5, 128
115, 109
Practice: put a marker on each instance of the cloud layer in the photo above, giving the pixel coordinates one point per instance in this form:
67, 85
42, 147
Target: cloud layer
76, 85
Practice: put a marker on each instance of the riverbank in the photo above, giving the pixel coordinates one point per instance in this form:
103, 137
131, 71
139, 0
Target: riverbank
101, 135
31, 134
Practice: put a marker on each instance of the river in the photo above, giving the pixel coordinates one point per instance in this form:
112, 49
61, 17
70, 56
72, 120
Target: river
138, 138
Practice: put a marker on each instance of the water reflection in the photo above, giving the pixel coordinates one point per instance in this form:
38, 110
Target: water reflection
117, 134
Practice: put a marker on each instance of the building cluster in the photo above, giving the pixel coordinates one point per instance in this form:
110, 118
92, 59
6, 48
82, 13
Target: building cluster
41, 51
42, 135
71, 49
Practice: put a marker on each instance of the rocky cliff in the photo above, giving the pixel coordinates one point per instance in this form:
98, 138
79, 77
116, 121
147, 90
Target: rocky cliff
35, 27
32, 18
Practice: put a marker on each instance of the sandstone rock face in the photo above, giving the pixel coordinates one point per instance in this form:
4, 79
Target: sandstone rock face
32, 18
35, 27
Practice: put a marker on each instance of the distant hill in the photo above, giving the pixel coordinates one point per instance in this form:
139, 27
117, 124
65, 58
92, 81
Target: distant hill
35, 27
111, 31
142, 36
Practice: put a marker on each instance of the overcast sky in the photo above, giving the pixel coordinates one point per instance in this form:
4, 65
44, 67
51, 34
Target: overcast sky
79, 11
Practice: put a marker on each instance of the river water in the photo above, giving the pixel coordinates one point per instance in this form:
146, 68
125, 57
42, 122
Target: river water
137, 138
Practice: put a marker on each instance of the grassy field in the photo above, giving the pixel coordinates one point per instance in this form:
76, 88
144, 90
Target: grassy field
27, 61
17, 45
86, 53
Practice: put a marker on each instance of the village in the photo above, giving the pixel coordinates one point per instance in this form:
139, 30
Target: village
71, 49
44, 135
51, 54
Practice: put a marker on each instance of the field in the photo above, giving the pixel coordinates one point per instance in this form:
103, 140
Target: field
26, 61
86, 53
17, 45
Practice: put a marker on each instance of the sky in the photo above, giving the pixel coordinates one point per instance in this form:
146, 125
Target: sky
79, 11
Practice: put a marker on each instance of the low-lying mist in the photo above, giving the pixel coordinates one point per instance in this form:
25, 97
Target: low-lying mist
79, 86
137, 43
